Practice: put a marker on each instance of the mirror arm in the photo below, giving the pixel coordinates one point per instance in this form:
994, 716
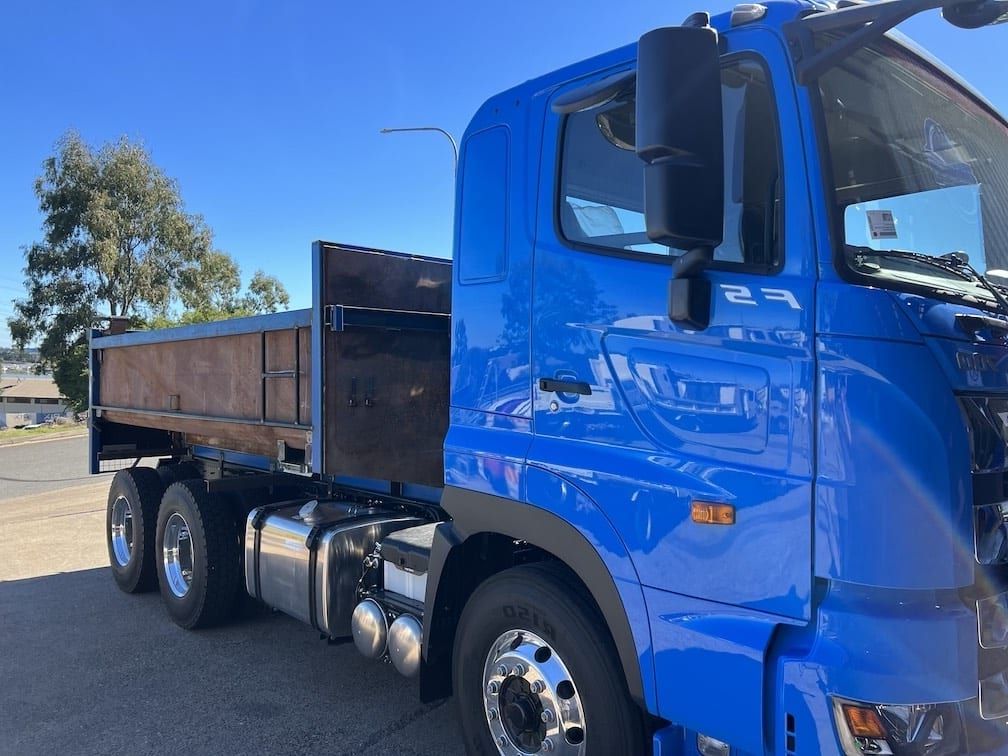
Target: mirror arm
812, 63
595, 94
861, 24
690, 263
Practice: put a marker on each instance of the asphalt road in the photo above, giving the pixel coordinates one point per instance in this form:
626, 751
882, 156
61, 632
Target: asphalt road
38, 466
86, 669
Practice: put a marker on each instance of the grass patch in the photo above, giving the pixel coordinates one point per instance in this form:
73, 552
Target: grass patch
13, 435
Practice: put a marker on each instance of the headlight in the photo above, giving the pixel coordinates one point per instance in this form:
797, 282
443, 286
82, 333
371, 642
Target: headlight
928, 729
994, 695
992, 621
708, 746
990, 523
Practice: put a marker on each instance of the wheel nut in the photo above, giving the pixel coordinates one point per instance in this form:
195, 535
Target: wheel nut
502, 670
518, 670
546, 716
547, 745
492, 714
502, 741
493, 687
538, 687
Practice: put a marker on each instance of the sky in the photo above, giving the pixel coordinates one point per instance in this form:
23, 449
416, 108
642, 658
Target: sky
268, 113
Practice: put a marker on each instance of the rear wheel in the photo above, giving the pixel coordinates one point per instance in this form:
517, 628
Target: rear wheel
130, 522
534, 671
198, 556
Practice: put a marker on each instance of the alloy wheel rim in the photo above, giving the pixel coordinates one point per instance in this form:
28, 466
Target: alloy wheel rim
121, 530
529, 697
177, 555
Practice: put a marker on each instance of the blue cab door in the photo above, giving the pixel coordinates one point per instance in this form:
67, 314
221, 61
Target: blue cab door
669, 416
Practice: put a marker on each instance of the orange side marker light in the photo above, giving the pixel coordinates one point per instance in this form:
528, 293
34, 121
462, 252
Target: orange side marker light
709, 513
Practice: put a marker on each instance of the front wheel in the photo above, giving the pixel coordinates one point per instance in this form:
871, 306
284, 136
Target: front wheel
535, 672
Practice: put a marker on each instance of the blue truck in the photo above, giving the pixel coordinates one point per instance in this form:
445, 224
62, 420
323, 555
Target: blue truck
699, 444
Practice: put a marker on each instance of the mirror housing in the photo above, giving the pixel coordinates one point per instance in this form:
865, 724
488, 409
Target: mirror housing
973, 15
690, 303
997, 277
679, 136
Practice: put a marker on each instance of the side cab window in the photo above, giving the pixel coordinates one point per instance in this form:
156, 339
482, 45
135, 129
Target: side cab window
601, 188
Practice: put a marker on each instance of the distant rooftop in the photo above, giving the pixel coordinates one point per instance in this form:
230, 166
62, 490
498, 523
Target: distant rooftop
29, 388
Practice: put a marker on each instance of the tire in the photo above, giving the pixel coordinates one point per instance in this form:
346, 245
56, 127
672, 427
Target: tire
133, 501
540, 603
196, 531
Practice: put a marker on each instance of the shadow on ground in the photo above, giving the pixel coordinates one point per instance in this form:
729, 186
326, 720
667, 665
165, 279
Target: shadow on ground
86, 669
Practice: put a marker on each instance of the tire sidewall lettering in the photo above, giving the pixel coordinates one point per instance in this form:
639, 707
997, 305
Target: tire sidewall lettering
520, 613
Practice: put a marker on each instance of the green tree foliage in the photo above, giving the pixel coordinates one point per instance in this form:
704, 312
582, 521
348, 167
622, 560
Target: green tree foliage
117, 242
211, 286
266, 294
212, 291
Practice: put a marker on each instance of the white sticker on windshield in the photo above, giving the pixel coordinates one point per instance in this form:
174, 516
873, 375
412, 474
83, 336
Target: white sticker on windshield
881, 224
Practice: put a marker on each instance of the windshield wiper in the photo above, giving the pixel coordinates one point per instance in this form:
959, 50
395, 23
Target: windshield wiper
946, 264
956, 263
962, 260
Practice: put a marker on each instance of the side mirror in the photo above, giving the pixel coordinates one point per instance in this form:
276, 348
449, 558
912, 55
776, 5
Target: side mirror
976, 13
680, 136
997, 277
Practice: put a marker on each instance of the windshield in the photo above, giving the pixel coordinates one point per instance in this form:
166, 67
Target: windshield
919, 165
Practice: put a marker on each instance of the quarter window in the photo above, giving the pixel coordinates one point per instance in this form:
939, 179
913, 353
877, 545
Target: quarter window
602, 181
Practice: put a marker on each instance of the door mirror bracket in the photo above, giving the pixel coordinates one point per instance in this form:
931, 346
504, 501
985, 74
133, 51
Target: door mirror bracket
689, 264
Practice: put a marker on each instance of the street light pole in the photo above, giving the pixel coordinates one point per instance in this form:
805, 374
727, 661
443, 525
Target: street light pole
431, 128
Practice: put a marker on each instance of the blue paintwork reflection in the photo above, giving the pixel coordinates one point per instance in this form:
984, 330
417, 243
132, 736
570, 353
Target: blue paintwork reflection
486, 453
555, 494
670, 550
893, 495
845, 310
685, 632
691, 399
490, 341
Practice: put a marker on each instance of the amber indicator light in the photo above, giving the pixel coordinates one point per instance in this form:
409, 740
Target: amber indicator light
708, 513
863, 722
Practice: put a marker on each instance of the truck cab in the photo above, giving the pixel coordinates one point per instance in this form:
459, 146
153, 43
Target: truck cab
836, 402
720, 366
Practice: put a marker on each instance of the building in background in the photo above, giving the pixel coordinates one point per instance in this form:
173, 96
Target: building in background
26, 401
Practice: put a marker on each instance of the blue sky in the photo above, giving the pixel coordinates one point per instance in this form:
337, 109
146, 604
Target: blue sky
267, 113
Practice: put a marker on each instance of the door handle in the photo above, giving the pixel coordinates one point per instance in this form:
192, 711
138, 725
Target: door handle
557, 386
